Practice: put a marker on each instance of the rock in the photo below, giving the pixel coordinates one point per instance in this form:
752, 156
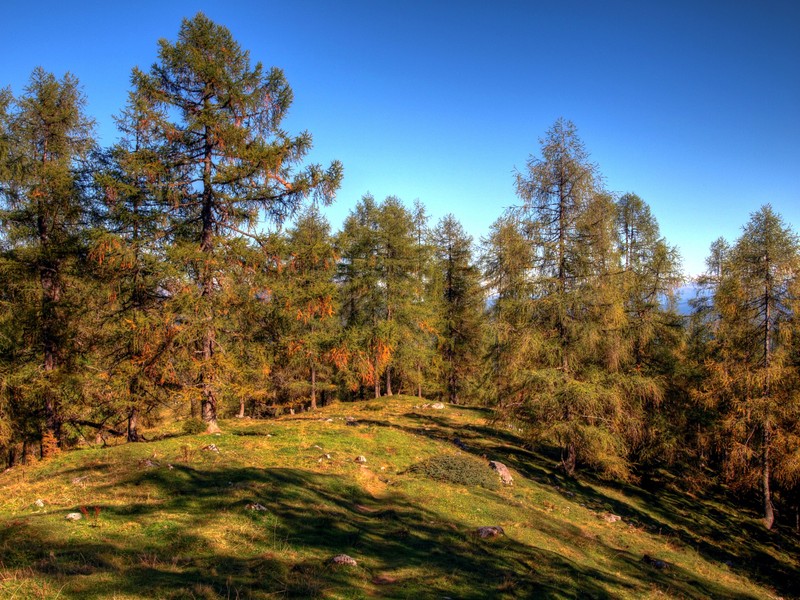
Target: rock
654, 562
148, 464
255, 506
502, 471
317, 447
39, 503
437, 405
490, 532
211, 448
361, 459
329, 420
609, 518
328, 456
74, 516
343, 560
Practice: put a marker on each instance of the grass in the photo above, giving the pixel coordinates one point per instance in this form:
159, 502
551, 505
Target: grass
170, 519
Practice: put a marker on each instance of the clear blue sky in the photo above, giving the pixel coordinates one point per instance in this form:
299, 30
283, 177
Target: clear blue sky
693, 105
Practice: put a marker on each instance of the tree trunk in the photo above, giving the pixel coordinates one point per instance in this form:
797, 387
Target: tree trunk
208, 403
388, 381
769, 510
240, 414
133, 426
313, 387
377, 380
569, 458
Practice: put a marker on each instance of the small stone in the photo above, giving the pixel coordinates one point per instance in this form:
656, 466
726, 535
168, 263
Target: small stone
317, 447
609, 518
654, 562
75, 516
437, 405
361, 459
490, 532
328, 456
502, 471
329, 420
256, 506
344, 560
211, 448
39, 503
79, 480
148, 464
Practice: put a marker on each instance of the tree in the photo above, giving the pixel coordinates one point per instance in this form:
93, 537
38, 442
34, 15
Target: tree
651, 271
231, 164
753, 367
313, 296
44, 215
575, 392
462, 304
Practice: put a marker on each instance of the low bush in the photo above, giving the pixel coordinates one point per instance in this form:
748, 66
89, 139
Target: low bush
458, 469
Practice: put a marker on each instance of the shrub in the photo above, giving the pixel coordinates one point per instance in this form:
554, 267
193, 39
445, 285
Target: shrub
458, 469
193, 426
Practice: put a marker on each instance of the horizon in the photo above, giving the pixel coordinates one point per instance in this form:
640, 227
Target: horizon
693, 109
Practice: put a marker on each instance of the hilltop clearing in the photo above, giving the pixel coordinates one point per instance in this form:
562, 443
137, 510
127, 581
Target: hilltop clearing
261, 510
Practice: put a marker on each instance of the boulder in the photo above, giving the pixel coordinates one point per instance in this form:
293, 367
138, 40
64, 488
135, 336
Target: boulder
437, 405
502, 471
361, 459
74, 516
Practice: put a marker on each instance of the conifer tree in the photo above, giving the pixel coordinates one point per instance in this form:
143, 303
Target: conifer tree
576, 395
461, 305
45, 207
231, 164
753, 368
313, 298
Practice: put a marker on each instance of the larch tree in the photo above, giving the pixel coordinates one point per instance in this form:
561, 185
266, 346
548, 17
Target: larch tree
45, 208
462, 307
576, 395
233, 165
651, 273
312, 300
135, 330
753, 370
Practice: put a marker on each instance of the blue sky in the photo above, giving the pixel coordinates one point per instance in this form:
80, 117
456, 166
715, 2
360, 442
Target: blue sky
695, 106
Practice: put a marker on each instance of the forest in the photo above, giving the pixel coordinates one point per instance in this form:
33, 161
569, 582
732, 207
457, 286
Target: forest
187, 274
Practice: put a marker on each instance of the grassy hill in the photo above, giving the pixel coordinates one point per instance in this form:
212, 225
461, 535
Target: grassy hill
174, 518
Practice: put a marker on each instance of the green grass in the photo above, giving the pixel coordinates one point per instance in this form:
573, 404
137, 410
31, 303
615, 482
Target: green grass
179, 527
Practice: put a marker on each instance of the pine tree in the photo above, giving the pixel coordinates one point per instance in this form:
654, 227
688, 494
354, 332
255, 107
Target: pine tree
45, 205
230, 164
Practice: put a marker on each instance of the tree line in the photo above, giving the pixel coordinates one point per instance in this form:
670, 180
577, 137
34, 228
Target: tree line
188, 271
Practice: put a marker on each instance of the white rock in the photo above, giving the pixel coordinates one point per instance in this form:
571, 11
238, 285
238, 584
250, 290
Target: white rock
74, 516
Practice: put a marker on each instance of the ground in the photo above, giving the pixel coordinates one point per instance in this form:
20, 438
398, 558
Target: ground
177, 518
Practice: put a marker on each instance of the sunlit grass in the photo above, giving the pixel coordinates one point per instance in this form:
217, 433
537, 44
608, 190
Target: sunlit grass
170, 519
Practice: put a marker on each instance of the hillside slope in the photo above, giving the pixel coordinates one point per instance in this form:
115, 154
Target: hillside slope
261, 513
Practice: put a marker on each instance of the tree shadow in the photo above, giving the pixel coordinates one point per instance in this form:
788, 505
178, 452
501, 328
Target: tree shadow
408, 549
734, 537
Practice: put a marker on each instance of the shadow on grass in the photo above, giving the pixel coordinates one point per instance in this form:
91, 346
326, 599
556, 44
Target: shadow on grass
403, 549
733, 536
